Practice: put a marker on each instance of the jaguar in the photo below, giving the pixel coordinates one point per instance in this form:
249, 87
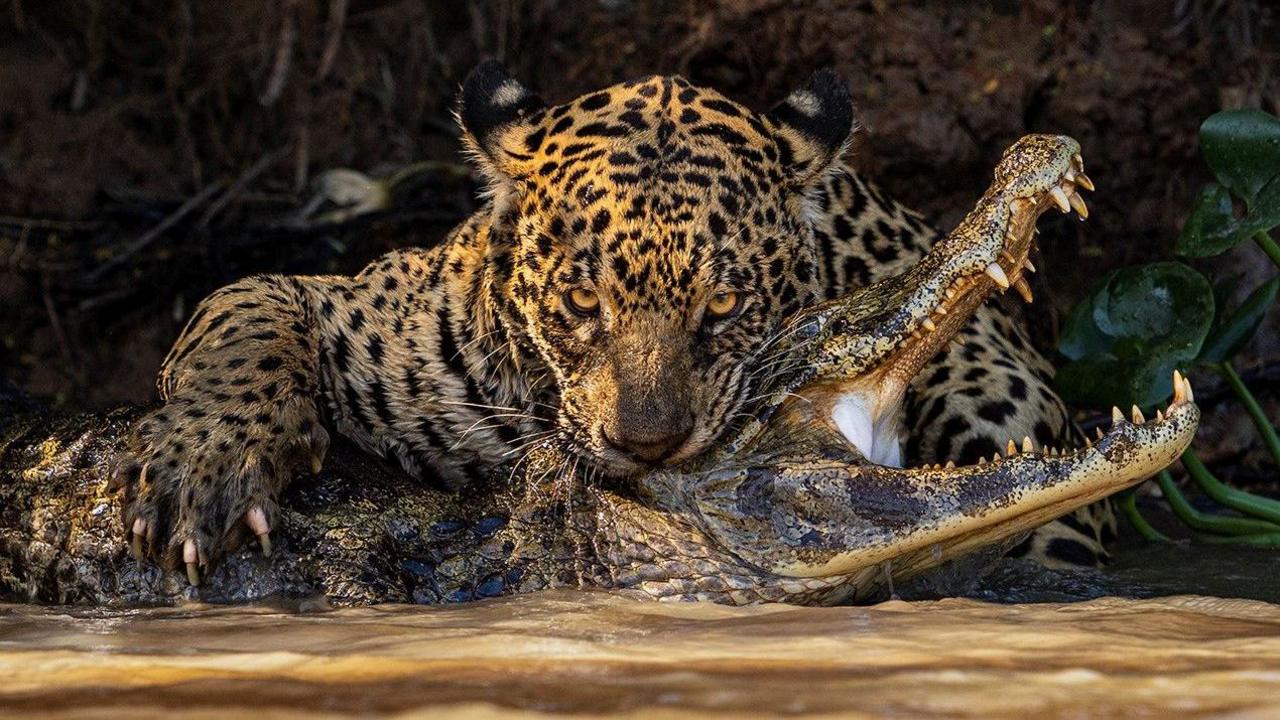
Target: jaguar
624, 290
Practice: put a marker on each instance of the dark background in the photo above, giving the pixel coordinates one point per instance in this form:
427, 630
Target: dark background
152, 151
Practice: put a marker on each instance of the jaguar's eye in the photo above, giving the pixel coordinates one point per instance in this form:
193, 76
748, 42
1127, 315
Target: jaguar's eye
724, 305
582, 301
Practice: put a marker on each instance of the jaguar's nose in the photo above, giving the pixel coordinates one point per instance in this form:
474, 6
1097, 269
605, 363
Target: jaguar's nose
651, 445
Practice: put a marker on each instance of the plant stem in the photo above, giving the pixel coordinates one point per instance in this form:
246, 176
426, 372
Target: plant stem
1129, 506
1259, 540
1247, 503
1268, 246
1260, 420
1204, 522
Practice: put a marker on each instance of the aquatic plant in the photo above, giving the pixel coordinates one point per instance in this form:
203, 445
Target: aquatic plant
1139, 323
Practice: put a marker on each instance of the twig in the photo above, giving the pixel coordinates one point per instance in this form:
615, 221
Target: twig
237, 188
151, 235
55, 323
284, 55
337, 19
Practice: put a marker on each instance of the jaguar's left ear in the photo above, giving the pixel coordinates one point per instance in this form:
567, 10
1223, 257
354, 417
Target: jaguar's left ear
813, 125
495, 111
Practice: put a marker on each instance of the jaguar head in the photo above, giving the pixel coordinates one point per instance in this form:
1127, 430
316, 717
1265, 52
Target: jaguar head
646, 240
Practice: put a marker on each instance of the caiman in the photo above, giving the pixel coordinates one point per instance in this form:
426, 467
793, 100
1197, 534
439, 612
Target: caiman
784, 508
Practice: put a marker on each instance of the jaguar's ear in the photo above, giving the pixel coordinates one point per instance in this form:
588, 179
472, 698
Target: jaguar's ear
813, 125
495, 112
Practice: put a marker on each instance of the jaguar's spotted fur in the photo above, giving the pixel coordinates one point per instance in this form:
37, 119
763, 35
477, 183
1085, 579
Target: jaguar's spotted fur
639, 247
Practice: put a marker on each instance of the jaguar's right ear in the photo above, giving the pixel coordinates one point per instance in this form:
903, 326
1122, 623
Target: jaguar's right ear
495, 112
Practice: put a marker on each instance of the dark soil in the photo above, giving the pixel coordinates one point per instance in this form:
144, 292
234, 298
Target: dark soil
211, 120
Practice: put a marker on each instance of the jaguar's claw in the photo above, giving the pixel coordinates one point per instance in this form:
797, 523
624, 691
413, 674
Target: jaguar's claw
139, 530
256, 519
191, 558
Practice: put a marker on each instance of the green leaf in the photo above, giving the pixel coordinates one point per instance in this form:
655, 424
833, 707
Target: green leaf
1212, 229
1124, 340
1233, 331
1264, 213
1243, 149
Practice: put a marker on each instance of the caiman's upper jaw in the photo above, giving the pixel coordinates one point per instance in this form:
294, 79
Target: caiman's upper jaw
866, 361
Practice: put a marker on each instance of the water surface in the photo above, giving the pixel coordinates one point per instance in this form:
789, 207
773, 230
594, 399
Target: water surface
591, 653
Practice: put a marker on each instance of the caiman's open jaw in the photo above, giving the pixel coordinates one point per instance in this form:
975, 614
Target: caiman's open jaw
874, 357
811, 489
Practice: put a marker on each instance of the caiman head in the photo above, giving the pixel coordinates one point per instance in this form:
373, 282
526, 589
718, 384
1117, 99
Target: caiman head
812, 488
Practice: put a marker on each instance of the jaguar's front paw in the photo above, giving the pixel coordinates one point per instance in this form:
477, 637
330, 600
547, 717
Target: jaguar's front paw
200, 475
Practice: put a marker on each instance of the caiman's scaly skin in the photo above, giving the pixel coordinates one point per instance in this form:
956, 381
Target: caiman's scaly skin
785, 509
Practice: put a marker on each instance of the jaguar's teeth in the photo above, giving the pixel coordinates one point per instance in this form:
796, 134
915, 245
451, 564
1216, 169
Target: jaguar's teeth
1077, 202
1027, 445
1083, 181
1024, 290
997, 275
1138, 418
1060, 199
1116, 415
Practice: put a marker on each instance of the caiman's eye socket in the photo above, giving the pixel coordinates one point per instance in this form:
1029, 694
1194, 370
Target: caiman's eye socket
724, 305
582, 301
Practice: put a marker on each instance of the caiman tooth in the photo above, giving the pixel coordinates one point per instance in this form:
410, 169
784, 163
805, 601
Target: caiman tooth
1179, 392
1088, 443
1024, 290
1098, 430
940, 310
1060, 199
929, 325
1027, 445
1077, 202
1027, 264
951, 464
1009, 257
997, 275
1116, 415
1186, 383
1083, 181
1011, 448
1138, 417
1159, 415
982, 460
996, 457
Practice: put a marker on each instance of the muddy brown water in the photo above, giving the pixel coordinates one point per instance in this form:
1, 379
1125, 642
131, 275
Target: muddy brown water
592, 653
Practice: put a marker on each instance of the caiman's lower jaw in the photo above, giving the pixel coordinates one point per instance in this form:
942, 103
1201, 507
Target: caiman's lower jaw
1027, 487
865, 409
